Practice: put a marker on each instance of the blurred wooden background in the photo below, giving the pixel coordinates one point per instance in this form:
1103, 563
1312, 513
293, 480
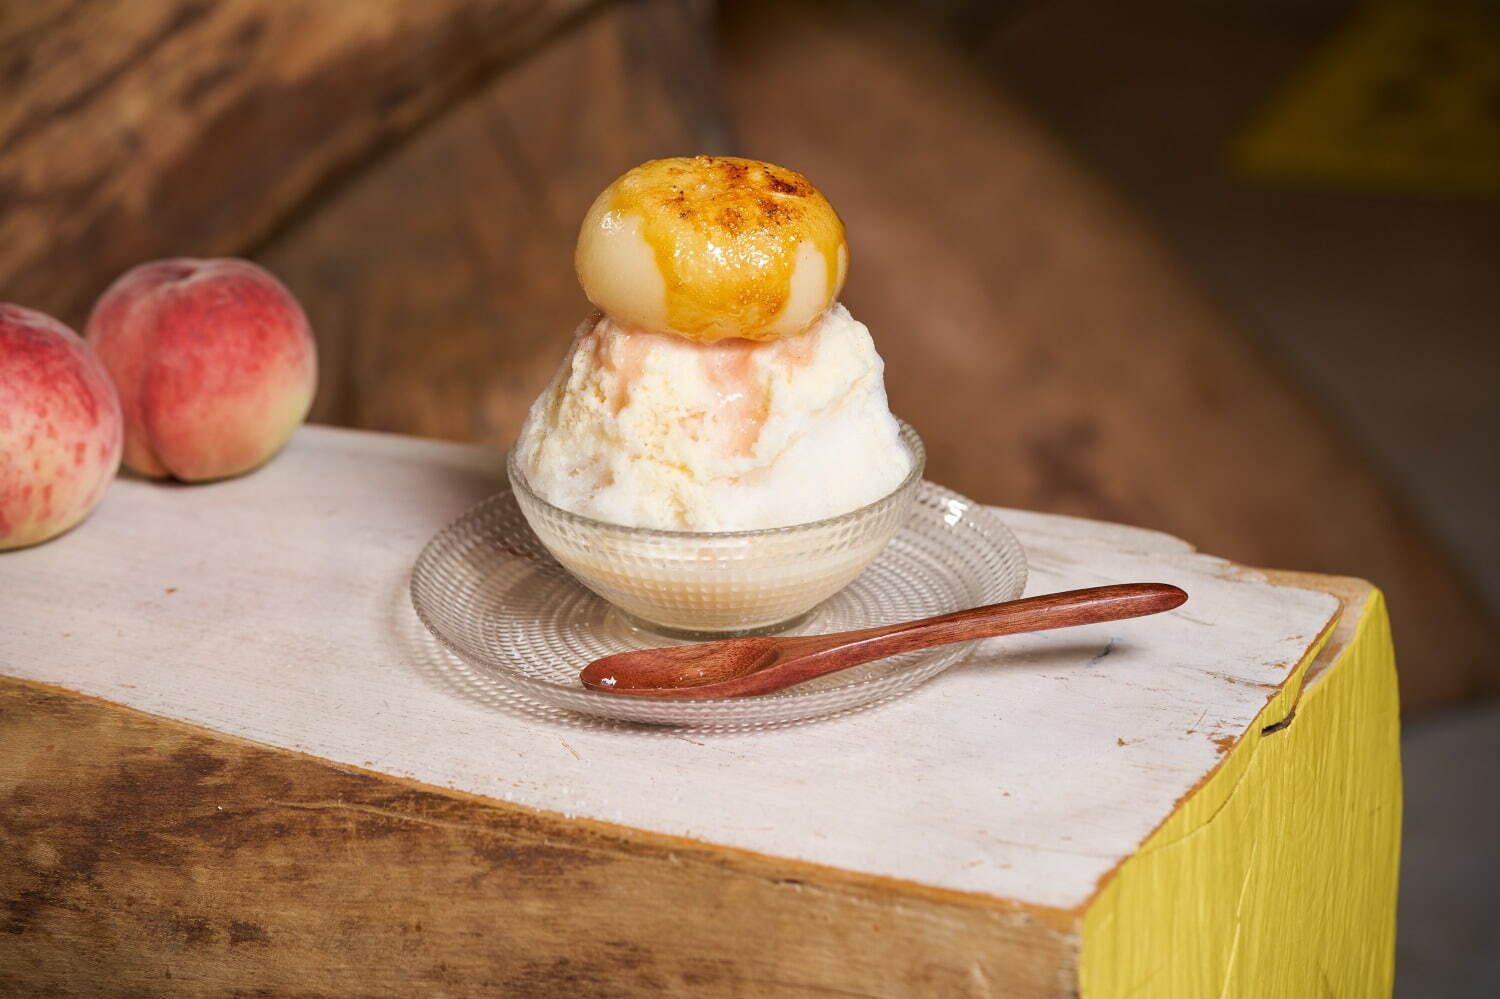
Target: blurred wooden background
416, 174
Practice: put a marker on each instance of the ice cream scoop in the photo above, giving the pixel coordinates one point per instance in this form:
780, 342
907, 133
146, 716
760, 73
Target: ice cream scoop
651, 430
711, 248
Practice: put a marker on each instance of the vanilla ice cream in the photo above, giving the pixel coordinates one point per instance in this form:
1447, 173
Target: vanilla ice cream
654, 430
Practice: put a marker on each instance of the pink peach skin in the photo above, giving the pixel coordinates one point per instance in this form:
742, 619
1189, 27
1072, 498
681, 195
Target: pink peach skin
60, 428
215, 364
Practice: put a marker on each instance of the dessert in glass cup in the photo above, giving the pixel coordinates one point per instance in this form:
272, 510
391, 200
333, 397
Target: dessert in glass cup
715, 454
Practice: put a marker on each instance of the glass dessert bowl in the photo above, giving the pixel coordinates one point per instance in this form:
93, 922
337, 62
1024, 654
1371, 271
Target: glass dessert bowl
716, 584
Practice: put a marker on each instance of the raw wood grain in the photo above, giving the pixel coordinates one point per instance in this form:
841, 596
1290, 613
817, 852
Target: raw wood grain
170, 861
134, 129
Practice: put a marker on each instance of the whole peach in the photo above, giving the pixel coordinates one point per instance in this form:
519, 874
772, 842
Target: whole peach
214, 361
59, 428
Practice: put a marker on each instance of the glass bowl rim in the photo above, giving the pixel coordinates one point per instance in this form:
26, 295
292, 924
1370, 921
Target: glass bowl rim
909, 439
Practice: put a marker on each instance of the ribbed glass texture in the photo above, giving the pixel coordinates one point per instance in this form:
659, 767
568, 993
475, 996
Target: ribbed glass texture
493, 594
711, 584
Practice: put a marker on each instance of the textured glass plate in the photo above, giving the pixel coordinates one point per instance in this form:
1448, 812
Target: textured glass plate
489, 591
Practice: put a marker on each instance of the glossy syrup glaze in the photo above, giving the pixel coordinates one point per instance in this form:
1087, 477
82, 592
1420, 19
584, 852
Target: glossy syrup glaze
744, 393
726, 234
630, 350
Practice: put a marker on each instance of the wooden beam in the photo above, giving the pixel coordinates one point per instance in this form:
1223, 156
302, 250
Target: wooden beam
134, 129
247, 814
169, 860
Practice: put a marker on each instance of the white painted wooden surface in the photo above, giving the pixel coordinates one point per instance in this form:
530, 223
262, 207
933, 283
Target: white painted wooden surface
274, 607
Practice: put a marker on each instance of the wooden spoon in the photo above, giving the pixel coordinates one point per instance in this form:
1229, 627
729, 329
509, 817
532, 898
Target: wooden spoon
738, 667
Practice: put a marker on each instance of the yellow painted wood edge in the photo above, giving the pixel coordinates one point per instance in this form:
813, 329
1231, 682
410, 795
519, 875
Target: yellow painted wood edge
1282, 882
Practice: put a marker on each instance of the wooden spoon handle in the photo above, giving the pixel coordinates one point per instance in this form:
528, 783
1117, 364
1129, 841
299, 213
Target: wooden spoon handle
763, 665
815, 656
1041, 613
